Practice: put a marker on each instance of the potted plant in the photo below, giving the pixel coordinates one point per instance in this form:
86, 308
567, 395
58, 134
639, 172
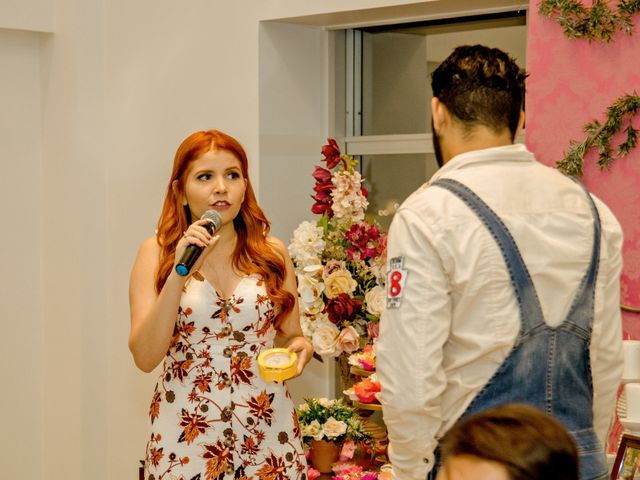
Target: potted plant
325, 424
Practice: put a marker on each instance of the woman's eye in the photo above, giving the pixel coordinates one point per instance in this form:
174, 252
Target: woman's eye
233, 175
204, 177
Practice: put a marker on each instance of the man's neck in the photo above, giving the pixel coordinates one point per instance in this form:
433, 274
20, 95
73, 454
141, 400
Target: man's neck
479, 138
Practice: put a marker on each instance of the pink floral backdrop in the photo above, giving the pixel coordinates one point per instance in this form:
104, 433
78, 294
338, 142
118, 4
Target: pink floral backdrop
573, 82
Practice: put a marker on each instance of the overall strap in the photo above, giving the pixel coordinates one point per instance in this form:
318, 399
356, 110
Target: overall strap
581, 311
528, 302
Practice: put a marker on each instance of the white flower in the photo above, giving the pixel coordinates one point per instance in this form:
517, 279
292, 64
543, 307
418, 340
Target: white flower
309, 288
307, 327
351, 395
348, 200
325, 402
332, 266
307, 244
310, 323
325, 340
375, 300
313, 429
377, 267
333, 428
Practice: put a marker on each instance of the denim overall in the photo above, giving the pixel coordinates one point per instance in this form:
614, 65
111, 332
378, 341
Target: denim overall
548, 368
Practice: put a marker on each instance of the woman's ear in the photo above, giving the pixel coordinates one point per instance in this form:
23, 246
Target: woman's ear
176, 193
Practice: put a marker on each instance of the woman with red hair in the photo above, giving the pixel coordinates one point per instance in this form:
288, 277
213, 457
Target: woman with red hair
212, 415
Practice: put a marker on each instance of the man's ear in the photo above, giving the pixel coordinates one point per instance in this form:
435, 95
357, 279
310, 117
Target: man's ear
520, 122
439, 113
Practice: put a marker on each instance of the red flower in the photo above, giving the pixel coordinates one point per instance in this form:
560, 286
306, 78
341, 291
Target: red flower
342, 308
331, 153
366, 390
365, 241
320, 208
321, 175
323, 189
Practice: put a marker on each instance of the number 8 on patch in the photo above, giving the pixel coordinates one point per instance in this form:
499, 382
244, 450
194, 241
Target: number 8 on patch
396, 278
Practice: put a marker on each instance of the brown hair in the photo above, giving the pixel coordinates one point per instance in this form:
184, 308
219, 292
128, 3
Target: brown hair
252, 252
530, 444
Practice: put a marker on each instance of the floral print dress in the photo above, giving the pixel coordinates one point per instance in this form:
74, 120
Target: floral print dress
212, 415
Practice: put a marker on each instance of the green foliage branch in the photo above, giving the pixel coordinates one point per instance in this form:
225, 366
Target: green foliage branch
599, 22
599, 136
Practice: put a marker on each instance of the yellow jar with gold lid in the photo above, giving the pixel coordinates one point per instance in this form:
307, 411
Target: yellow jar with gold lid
277, 364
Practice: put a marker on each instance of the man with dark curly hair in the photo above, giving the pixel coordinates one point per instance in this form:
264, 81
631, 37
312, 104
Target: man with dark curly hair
503, 282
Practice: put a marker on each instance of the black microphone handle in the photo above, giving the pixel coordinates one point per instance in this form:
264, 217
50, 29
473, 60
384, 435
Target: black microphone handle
191, 254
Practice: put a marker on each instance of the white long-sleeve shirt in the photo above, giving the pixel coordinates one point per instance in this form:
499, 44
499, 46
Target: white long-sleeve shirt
458, 317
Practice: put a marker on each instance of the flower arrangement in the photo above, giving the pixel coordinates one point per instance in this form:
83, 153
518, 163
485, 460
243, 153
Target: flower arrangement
331, 420
339, 260
353, 472
365, 390
365, 360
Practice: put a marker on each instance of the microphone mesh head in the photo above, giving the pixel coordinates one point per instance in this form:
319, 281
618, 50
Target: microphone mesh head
214, 217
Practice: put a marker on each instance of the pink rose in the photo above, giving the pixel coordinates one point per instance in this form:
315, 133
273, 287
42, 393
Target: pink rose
312, 473
348, 340
373, 330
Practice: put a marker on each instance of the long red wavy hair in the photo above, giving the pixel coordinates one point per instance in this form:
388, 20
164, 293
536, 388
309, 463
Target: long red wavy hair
252, 253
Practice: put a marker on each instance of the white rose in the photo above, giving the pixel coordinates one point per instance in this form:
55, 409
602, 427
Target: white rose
324, 340
375, 300
333, 428
325, 402
339, 282
313, 430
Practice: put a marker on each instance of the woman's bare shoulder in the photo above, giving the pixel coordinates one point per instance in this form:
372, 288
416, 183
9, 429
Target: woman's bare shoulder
277, 245
149, 251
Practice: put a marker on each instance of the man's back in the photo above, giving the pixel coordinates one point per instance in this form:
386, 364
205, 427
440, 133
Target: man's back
458, 315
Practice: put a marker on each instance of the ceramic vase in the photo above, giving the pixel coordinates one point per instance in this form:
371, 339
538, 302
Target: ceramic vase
324, 454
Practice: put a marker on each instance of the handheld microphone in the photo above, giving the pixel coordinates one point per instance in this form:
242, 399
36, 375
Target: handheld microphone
192, 252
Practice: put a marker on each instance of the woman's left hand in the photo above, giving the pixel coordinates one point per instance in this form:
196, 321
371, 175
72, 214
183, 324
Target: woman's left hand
303, 349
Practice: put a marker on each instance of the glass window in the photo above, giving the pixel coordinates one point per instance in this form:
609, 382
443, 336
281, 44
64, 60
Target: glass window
387, 95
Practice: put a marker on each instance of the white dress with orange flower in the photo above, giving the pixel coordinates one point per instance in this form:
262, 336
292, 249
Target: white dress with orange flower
212, 415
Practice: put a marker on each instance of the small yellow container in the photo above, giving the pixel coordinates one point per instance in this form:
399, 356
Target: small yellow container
277, 364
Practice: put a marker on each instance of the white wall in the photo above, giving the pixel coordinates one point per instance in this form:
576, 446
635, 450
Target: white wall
293, 126
172, 68
91, 117
29, 15
21, 256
